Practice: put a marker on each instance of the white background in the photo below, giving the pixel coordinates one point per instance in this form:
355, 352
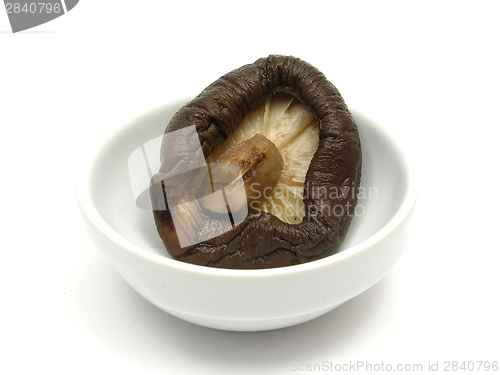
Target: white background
427, 71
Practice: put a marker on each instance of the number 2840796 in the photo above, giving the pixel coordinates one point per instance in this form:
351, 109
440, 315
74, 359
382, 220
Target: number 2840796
18, 8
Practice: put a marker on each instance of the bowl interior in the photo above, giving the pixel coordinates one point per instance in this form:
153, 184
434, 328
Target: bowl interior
121, 170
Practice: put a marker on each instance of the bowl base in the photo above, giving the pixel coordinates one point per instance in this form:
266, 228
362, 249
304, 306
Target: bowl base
249, 325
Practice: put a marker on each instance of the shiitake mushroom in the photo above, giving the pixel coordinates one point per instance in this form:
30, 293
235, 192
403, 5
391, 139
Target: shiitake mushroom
278, 122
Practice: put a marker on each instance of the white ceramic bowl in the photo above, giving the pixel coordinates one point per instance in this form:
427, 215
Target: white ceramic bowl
107, 191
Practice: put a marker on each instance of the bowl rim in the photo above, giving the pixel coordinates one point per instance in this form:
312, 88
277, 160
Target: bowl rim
90, 212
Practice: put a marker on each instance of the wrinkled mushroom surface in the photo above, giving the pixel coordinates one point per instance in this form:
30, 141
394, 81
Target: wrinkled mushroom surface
327, 171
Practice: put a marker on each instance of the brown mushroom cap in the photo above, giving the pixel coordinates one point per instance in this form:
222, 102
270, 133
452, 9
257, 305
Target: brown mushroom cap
261, 240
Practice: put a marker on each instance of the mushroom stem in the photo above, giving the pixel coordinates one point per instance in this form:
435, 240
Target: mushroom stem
247, 173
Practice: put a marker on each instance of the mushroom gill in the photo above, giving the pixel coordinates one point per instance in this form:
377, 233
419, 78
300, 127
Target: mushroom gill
293, 129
